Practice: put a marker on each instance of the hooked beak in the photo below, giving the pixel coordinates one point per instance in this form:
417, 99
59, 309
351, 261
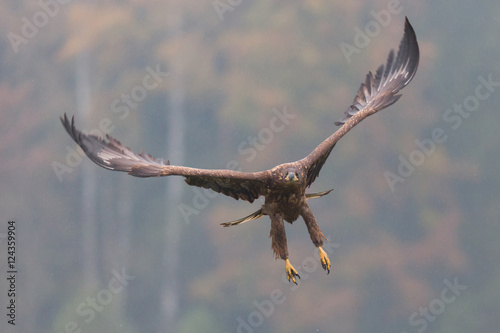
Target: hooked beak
292, 177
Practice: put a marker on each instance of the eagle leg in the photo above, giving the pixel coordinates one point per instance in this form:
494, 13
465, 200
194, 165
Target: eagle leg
279, 245
316, 235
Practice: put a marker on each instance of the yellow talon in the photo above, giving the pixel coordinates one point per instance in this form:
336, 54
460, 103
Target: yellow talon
325, 262
291, 272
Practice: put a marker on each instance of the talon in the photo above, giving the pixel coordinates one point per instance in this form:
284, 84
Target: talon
291, 272
325, 262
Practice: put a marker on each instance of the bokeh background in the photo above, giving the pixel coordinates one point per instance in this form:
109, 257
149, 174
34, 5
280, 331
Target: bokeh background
420, 255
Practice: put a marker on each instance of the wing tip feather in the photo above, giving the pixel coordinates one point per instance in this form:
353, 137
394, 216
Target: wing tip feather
110, 154
389, 78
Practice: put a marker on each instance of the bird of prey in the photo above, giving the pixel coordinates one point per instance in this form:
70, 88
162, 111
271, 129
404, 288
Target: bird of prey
284, 186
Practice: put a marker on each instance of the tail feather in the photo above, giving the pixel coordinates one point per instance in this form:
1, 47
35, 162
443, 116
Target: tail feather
317, 195
259, 213
253, 216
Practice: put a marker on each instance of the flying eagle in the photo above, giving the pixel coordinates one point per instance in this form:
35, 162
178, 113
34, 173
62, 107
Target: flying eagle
284, 186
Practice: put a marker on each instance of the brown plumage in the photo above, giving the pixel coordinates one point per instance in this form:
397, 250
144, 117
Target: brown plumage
283, 186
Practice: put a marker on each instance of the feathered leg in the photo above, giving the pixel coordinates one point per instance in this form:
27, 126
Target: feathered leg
316, 235
280, 248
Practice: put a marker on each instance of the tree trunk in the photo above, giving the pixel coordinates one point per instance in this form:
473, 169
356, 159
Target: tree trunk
169, 298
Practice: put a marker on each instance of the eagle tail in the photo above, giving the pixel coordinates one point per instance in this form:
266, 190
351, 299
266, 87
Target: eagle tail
250, 217
259, 213
317, 195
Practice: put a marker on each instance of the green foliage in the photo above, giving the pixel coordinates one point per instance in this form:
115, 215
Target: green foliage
77, 315
198, 319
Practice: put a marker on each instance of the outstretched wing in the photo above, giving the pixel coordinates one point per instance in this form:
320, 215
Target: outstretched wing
112, 155
375, 94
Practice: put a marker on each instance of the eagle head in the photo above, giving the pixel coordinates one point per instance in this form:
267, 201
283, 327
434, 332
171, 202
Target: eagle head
291, 176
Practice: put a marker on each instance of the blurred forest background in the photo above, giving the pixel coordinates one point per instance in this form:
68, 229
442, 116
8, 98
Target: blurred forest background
421, 255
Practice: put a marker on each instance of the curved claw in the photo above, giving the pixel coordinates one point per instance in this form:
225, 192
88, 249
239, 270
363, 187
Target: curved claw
291, 272
325, 261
